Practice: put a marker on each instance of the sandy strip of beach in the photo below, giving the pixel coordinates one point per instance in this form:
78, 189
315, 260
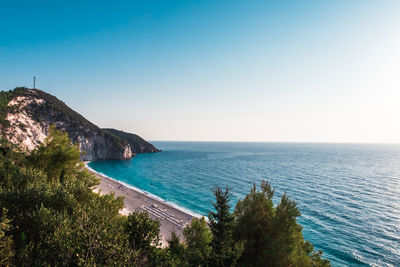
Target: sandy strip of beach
170, 218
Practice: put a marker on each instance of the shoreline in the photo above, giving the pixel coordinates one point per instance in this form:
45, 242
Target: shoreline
171, 218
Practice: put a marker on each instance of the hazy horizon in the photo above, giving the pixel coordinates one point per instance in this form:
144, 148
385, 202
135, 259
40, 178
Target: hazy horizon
236, 71
276, 142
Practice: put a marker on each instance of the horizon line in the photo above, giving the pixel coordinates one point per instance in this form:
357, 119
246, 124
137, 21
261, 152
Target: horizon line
287, 142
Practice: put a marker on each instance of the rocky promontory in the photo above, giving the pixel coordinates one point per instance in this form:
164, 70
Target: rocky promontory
27, 114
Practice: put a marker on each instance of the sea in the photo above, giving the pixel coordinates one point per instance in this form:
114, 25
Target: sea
348, 194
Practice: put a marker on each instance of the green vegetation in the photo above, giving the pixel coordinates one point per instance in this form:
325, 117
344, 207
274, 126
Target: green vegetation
271, 235
6, 243
53, 110
56, 110
49, 216
5, 97
138, 144
60, 111
198, 242
54, 105
225, 250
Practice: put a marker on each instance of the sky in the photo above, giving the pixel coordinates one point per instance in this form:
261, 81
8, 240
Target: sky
274, 71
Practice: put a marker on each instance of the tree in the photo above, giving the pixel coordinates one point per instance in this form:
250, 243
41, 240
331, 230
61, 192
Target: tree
255, 215
6, 242
224, 250
176, 251
198, 239
10, 159
144, 237
57, 156
54, 216
272, 236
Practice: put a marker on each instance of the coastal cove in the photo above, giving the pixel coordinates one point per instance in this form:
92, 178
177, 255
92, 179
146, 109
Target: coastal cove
347, 193
171, 217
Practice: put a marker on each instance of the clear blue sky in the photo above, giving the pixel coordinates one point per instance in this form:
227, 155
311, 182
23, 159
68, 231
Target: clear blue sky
319, 71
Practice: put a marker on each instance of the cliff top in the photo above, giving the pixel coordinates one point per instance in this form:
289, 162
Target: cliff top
45, 109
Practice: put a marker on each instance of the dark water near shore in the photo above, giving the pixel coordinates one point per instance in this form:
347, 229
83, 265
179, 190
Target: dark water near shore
348, 194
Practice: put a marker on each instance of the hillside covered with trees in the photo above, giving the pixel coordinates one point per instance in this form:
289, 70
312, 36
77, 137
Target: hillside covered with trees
27, 114
49, 216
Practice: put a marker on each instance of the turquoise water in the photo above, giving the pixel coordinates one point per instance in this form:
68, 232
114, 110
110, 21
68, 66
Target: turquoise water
349, 194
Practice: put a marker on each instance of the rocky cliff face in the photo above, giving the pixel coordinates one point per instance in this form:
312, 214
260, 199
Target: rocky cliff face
30, 114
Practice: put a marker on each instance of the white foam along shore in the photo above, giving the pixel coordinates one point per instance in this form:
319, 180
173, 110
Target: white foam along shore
148, 194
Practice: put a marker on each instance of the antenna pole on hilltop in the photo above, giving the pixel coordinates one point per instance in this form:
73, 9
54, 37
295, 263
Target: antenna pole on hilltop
34, 82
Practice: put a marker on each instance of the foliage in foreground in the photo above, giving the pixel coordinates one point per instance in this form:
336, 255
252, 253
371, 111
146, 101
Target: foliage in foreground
50, 216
